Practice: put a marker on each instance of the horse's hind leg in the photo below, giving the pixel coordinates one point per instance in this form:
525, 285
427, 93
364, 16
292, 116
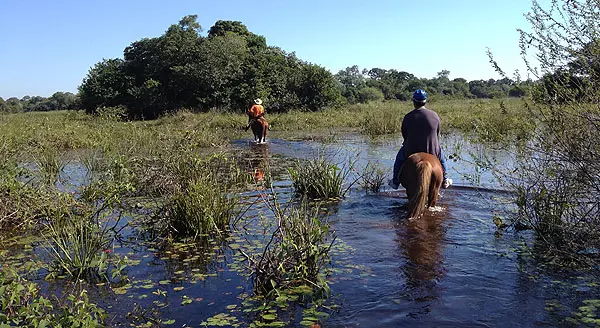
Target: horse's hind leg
264, 133
434, 190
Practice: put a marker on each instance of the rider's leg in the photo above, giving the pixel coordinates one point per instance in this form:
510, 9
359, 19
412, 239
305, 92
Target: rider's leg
395, 181
447, 182
250, 119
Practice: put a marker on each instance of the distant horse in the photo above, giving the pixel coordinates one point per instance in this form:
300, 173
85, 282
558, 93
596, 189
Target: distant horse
259, 128
422, 177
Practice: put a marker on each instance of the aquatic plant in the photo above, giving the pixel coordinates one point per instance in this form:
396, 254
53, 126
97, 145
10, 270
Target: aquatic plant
80, 231
295, 254
320, 177
92, 160
49, 163
77, 240
203, 201
200, 209
372, 177
21, 203
22, 305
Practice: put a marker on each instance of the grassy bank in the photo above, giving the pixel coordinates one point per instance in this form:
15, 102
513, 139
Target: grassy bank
31, 132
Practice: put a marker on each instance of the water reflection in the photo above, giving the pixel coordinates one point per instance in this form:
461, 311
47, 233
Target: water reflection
420, 242
258, 161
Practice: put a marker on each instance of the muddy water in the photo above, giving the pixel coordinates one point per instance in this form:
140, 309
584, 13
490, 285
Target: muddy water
449, 269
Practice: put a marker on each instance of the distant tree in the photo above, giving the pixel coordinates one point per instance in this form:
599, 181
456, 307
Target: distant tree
461, 88
368, 94
351, 81
318, 88
105, 85
12, 105
222, 27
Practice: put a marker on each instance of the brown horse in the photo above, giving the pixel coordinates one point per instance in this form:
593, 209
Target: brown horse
422, 177
259, 128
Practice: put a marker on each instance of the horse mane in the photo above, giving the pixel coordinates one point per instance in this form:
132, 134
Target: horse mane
419, 200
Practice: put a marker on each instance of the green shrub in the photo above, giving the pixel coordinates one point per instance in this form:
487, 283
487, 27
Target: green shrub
22, 305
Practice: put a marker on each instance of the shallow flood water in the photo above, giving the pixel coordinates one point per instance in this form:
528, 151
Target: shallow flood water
448, 269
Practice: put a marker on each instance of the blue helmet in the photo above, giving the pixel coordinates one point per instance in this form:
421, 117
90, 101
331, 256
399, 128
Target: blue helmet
420, 96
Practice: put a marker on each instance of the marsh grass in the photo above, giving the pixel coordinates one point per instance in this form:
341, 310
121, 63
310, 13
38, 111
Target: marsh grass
321, 178
203, 194
49, 163
201, 209
372, 177
382, 119
79, 233
78, 246
92, 160
296, 253
21, 202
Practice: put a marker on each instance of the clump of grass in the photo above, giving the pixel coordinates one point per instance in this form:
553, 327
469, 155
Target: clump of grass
202, 208
202, 197
92, 160
372, 177
78, 241
382, 120
296, 254
20, 202
49, 163
320, 178
79, 231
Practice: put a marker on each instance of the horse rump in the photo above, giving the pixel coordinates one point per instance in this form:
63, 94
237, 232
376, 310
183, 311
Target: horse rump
422, 177
259, 129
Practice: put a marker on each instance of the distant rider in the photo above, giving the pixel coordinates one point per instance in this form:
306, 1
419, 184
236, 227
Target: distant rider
421, 131
256, 111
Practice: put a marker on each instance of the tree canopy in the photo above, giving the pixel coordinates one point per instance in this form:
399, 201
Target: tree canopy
58, 101
225, 70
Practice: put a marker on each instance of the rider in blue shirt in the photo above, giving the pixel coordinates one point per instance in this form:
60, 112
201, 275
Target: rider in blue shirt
420, 130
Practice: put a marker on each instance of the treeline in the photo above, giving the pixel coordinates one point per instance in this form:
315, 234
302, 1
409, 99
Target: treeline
58, 101
230, 67
378, 84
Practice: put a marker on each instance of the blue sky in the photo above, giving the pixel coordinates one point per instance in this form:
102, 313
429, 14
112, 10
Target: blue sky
48, 46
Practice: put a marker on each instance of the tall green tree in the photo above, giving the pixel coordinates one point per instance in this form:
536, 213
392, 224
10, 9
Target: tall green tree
106, 84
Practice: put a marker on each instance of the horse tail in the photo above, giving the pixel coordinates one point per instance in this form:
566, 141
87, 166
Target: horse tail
424, 170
